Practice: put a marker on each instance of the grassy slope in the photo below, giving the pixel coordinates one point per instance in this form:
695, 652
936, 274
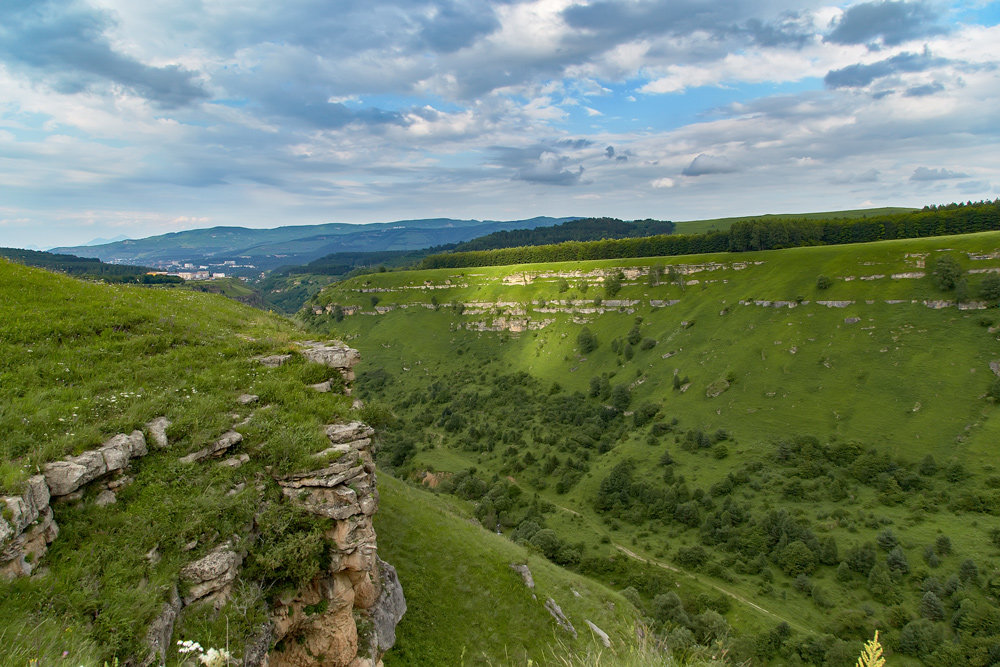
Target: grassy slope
701, 226
465, 603
80, 362
905, 378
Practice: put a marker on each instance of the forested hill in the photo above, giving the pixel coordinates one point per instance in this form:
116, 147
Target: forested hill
588, 229
746, 235
84, 267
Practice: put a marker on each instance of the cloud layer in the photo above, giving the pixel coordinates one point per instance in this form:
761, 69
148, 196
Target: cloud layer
139, 118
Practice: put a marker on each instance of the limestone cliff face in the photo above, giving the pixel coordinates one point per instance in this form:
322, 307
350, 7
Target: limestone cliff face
348, 613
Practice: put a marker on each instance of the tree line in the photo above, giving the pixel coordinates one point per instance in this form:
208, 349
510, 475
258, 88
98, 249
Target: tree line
747, 235
86, 267
586, 229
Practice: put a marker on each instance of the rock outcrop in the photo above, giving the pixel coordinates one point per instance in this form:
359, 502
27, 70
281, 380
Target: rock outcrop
68, 475
27, 524
335, 355
211, 578
160, 631
26, 529
217, 448
356, 589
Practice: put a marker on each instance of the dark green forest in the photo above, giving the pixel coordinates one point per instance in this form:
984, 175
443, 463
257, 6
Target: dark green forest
86, 267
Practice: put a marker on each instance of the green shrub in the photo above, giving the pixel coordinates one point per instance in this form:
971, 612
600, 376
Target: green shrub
946, 273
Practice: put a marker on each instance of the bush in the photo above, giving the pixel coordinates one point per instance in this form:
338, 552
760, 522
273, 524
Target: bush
612, 285
881, 585
897, 562
990, 288
692, 557
668, 608
931, 607
919, 638
946, 273
824, 282
709, 626
586, 341
887, 539
546, 541
525, 531
796, 559
993, 393
291, 546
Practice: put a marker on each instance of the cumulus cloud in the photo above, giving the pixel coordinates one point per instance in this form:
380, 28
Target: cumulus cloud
256, 111
928, 174
550, 169
887, 21
710, 164
65, 43
454, 26
857, 76
924, 90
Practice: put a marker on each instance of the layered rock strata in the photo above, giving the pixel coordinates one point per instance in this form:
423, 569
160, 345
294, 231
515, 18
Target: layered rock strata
356, 590
27, 525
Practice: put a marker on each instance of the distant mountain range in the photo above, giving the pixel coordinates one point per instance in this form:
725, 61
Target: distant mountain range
299, 244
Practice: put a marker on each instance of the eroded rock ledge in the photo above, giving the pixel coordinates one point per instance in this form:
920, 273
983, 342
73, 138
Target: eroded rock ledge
27, 525
348, 613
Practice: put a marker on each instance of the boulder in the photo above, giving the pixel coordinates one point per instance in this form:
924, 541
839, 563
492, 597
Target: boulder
247, 399
389, 608
68, 475
525, 573
717, 388
160, 631
255, 652
211, 577
352, 432
105, 498
331, 632
217, 448
334, 355
601, 634
21, 554
561, 620
158, 432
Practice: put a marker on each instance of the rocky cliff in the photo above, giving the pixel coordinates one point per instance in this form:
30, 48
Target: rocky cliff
346, 615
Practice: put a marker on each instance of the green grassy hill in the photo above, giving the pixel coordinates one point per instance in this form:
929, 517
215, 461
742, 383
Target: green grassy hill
80, 362
828, 454
702, 226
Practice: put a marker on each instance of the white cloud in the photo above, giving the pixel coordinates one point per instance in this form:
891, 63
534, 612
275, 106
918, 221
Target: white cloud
378, 120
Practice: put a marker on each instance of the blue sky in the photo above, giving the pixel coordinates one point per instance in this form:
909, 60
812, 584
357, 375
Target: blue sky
127, 118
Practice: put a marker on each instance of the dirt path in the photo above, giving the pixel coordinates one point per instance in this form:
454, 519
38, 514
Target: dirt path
673, 568
735, 596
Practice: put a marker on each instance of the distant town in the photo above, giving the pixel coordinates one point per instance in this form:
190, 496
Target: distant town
188, 271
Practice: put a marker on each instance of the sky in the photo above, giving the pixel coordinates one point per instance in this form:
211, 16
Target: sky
124, 118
